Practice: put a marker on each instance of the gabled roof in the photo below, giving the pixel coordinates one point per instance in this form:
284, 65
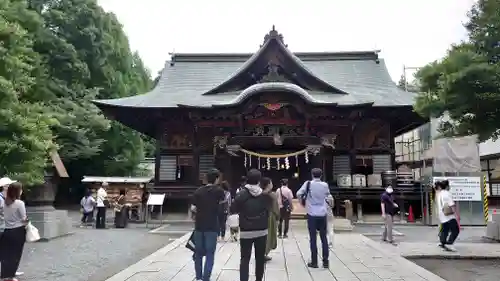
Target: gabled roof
273, 42
359, 77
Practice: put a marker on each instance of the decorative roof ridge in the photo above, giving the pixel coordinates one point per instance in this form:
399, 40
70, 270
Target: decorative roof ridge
242, 57
272, 36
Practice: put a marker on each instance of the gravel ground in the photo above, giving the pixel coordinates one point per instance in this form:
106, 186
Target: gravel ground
91, 254
469, 270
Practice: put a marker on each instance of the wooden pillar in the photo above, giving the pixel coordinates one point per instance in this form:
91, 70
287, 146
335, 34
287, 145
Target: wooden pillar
392, 146
352, 151
196, 156
159, 140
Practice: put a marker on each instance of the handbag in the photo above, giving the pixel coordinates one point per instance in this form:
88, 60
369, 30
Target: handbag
447, 210
32, 234
190, 243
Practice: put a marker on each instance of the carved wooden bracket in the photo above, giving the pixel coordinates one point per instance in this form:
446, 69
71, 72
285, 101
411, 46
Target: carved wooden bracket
314, 149
329, 140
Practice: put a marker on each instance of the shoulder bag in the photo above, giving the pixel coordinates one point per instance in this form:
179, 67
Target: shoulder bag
304, 196
447, 210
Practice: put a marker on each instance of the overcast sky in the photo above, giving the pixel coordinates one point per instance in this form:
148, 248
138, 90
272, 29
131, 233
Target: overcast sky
410, 32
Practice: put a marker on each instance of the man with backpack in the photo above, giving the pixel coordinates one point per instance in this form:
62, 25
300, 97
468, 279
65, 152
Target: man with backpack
313, 195
285, 197
253, 207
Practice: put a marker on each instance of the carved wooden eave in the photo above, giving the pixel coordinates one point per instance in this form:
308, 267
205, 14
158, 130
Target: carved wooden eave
272, 48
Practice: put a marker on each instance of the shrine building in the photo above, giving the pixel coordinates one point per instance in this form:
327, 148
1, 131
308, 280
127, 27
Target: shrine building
275, 110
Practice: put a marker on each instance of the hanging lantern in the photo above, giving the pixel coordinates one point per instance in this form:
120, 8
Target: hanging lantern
306, 157
287, 163
268, 162
277, 163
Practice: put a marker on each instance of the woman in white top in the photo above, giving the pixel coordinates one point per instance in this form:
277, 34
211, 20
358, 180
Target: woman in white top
14, 236
102, 197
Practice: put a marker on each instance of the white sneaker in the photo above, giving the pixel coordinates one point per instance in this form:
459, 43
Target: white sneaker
19, 273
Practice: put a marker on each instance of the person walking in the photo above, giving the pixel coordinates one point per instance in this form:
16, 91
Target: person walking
313, 196
330, 218
388, 208
284, 197
4, 185
102, 202
87, 204
207, 201
14, 235
253, 207
447, 216
224, 210
272, 240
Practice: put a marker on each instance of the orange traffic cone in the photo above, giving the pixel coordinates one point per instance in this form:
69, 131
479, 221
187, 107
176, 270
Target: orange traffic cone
411, 217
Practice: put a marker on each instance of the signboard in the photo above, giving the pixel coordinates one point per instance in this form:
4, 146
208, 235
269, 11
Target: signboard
463, 188
156, 199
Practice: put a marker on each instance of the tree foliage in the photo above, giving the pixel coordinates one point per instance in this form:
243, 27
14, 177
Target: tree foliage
56, 57
25, 135
465, 84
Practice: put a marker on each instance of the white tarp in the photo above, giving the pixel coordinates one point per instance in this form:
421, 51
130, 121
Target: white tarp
454, 155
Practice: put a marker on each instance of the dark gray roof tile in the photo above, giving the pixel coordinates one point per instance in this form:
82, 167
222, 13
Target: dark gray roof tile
185, 81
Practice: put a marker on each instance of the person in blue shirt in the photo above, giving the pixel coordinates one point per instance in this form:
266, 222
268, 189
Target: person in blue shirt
313, 195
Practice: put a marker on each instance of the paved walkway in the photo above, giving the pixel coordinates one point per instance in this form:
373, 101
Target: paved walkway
353, 258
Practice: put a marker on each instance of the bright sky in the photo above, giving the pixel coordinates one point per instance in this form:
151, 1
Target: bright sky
409, 32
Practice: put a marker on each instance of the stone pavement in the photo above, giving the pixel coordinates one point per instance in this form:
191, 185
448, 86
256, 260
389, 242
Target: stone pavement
353, 257
431, 250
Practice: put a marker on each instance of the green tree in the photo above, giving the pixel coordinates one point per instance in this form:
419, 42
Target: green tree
87, 56
25, 135
465, 84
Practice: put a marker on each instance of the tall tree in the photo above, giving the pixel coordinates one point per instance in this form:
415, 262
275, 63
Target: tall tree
25, 135
465, 84
87, 56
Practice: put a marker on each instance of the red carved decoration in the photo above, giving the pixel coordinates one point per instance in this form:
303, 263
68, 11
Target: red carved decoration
273, 106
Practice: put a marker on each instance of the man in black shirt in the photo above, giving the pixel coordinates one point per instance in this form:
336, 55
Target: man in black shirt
206, 204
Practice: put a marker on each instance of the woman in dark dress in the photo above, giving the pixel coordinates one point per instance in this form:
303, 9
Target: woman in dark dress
121, 214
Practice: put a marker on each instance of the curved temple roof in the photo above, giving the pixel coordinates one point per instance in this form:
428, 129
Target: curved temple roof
270, 40
194, 80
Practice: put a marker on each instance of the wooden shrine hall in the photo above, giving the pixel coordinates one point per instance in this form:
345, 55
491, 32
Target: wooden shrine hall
275, 110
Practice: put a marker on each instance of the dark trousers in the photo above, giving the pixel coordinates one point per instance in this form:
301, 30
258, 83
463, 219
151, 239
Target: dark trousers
12, 244
314, 225
87, 216
259, 245
284, 217
450, 228
222, 224
100, 220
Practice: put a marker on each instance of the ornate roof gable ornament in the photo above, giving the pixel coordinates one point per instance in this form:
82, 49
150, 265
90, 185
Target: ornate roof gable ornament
273, 34
273, 75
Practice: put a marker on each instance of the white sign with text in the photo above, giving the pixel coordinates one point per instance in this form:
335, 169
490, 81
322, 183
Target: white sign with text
463, 188
156, 199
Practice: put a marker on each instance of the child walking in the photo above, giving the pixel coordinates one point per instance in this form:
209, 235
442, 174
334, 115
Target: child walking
330, 218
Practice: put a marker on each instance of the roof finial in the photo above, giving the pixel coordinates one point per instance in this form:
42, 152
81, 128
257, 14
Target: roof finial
273, 34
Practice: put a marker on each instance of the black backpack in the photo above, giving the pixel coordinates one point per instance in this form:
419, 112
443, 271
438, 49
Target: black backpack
285, 202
